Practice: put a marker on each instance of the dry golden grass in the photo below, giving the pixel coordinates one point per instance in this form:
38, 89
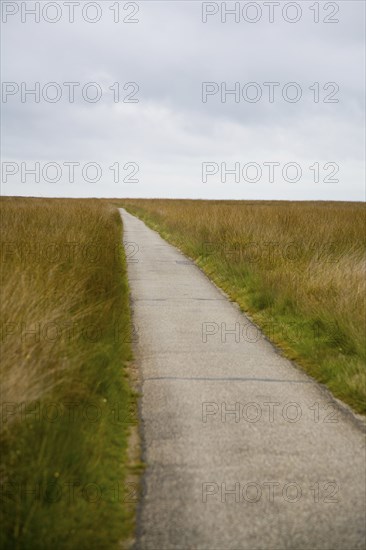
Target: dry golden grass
289, 265
50, 288
64, 339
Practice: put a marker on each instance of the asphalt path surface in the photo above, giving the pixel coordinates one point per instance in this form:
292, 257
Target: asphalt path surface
243, 450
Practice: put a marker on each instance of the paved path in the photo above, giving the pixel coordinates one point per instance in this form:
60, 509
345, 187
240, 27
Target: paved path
216, 479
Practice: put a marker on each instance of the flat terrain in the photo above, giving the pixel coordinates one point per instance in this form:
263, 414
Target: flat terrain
243, 450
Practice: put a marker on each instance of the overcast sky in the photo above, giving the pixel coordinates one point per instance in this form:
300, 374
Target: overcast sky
173, 132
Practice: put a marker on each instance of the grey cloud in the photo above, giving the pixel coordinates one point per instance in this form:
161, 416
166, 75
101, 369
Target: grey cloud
169, 53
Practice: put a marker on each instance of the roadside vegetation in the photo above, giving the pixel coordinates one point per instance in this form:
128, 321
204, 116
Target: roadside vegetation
66, 398
298, 269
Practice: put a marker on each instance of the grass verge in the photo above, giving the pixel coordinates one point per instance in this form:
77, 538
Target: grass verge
66, 397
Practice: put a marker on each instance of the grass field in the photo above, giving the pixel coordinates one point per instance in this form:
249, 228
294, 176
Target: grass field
66, 395
297, 268
67, 404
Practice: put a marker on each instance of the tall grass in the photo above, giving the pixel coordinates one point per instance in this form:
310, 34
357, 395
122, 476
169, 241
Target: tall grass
297, 268
65, 394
